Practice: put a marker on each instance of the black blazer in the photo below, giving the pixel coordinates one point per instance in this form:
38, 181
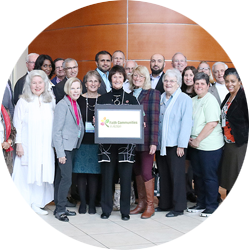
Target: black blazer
159, 85
18, 90
102, 90
237, 116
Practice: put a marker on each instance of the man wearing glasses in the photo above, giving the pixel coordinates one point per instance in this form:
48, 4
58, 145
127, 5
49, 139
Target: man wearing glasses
59, 71
179, 61
30, 64
70, 67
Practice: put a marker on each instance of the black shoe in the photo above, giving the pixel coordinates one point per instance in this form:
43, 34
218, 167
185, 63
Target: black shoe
196, 209
54, 212
158, 209
174, 213
70, 213
82, 209
62, 217
104, 216
92, 210
207, 212
125, 217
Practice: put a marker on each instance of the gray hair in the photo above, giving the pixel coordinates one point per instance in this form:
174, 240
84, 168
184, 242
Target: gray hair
130, 61
67, 61
178, 53
69, 83
27, 93
226, 67
173, 73
31, 54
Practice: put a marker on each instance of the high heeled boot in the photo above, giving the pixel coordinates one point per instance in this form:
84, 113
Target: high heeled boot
141, 206
149, 211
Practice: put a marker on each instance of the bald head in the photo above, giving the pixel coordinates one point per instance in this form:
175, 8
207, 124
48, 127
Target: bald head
157, 64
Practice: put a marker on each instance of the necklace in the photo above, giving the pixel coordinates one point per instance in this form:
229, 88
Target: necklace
90, 107
117, 99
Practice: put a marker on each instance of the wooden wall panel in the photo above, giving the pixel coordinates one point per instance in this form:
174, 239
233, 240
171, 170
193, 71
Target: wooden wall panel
140, 12
96, 14
149, 29
193, 41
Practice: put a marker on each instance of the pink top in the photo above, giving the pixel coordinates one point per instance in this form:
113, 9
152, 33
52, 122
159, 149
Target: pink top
73, 103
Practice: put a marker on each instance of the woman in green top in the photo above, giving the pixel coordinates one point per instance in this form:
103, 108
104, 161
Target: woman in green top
206, 143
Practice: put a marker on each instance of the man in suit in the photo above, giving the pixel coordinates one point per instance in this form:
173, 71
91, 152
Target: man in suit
118, 58
103, 63
218, 89
179, 61
30, 64
59, 71
70, 67
157, 65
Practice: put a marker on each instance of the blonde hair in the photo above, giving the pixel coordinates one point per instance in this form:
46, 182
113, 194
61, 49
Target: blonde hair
211, 79
142, 70
69, 83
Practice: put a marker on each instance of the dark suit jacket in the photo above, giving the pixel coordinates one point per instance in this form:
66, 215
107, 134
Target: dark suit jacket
237, 116
102, 90
159, 85
150, 99
18, 90
58, 90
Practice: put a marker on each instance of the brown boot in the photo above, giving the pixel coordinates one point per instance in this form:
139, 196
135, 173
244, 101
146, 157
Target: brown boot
141, 206
149, 211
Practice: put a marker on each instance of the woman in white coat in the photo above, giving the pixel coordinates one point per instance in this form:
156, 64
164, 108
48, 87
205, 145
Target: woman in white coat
33, 172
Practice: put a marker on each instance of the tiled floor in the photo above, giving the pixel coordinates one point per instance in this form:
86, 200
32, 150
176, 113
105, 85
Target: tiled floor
117, 234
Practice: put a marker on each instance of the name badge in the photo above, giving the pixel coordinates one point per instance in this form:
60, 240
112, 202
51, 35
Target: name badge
89, 128
79, 133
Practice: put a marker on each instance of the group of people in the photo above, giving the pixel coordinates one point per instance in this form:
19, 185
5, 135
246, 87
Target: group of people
195, 128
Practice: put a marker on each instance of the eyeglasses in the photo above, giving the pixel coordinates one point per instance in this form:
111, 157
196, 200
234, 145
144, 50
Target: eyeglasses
31, 62
204, 68
140, 76
70, 68
171, 81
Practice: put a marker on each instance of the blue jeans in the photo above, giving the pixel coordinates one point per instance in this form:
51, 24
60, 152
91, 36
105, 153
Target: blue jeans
205, 168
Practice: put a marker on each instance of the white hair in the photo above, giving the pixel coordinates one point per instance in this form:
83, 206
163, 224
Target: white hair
226, 67
27, 93
173, 73
31, 54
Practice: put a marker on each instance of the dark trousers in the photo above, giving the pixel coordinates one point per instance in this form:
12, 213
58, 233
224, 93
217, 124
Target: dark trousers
205, 168
172, 180
63, 182
143, 165
125, 174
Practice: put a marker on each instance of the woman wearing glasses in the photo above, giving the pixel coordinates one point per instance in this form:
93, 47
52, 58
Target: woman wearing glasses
86, 164
144, 154
174, 131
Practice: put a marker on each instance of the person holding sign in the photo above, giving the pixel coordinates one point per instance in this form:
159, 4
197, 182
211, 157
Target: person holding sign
111, 154
144, 157
86, 158
68, 131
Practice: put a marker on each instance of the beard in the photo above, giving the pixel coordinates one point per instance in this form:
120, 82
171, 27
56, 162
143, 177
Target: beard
158, 71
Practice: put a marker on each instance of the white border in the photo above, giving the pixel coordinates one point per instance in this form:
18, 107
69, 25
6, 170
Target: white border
227, 21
